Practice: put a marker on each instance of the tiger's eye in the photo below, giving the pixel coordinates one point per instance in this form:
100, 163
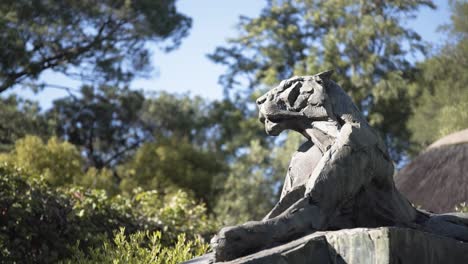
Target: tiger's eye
307, 88
270, 96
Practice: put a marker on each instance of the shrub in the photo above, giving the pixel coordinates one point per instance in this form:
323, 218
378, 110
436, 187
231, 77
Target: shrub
39, 224
140, 247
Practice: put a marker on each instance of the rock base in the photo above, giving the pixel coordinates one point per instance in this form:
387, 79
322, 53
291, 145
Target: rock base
360, 245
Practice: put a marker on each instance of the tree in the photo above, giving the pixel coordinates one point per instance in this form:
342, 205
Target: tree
442, 92
247, 193
18, 118
167, 115
171, 164
105, 41
58, 162
213, 125
103, 121
254, 182
365, 42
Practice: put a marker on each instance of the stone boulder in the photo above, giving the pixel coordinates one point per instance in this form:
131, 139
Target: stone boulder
360, 246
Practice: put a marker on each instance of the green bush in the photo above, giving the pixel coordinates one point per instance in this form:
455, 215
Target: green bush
140, 247
34, 220
170, 165
40, 224
58, 162
175, 213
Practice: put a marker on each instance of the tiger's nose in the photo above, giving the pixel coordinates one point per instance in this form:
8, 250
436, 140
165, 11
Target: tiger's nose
261, 99
261, 117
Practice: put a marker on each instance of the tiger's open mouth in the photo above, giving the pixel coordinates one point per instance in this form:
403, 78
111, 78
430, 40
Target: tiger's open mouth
273, 128
279, 116
277, 122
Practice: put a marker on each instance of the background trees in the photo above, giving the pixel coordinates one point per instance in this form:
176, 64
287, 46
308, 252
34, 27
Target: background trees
103, 121
59, 163
171, 164
442, 102
18, 118
102, 42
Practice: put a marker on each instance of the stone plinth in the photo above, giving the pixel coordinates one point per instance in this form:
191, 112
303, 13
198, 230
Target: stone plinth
360, 246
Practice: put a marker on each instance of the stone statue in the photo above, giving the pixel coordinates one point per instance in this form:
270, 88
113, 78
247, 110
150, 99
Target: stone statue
342, 177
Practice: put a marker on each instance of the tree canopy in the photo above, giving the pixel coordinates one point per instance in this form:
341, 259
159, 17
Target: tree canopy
104, 121
442, 94
93, 41
20, 117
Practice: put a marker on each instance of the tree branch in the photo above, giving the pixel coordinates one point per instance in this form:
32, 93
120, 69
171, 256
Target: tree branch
67, 54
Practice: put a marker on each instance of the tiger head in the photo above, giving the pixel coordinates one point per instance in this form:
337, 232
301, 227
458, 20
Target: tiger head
295, 104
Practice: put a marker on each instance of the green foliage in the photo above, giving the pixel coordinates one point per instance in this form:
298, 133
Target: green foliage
176, 213
103, 122
92, 42
19, 117
135, 248
366, 42
254, 183
41, 224
247, 192
33, 221
171, 165
217, 126
58, 162
178, 116
103, 179
440, 108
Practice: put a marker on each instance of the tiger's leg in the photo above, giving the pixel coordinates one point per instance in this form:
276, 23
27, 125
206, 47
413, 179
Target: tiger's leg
286, 201
298, 220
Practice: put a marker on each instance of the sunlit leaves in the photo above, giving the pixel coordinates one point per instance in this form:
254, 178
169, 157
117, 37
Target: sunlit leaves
135, 249
172, 164
442, 94
58, 162
41, 224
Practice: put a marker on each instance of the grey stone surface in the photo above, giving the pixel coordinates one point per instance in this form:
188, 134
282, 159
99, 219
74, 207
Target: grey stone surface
341, 178
386, 245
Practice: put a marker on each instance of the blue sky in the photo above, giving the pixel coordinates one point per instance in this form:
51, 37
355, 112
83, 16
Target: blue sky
188, 70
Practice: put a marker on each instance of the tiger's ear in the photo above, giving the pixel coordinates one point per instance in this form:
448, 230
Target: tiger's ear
325, 76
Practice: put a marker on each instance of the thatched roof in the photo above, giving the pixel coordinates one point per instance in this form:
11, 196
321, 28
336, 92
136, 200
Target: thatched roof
459, 137
437, 179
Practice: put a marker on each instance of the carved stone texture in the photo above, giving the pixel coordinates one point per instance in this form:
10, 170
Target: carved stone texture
383, 245
340, 178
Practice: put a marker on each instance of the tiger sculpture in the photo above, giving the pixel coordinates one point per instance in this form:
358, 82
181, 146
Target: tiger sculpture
341, 177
